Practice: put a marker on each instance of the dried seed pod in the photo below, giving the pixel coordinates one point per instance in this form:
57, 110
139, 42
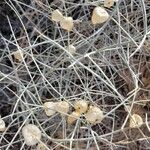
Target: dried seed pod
31, 134
57, 15
94, 115
135, 121
73, 117
18, 55
41, 146
49, 108
81, 106
71, 49
67, 23
99, 15
62, 107
2, 125
109, 3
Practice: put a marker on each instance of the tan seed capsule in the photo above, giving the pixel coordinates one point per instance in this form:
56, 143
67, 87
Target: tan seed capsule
67, 23
2, 125
49, 108
71, 49
62, 107
94, 115
57, 15
109, 3
41, 146
73, 117
18, 55
31, 134
81, 106
99, 15
135, 121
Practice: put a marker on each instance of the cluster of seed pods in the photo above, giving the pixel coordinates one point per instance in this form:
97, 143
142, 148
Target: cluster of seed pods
92, 114
99, 15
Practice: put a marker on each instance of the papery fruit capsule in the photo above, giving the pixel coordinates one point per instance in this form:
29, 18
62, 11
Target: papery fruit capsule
109, 3
71, 49
94, 115
81, 106
18, 55
73, 117
62, 107
67, 23
31, 134
49, 108
2, 125
99, 15
57, 15
135, 121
